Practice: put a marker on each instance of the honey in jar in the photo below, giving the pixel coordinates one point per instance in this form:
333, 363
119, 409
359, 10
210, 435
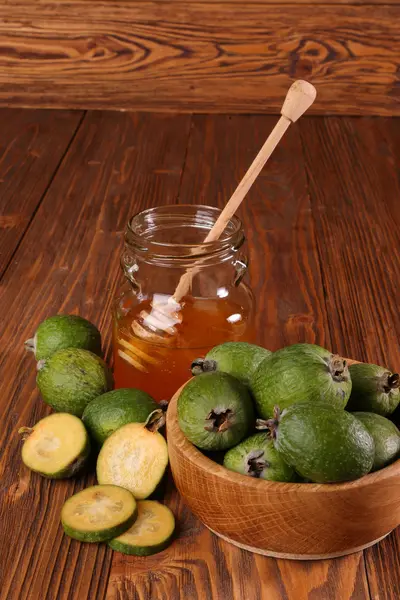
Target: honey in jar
162, 244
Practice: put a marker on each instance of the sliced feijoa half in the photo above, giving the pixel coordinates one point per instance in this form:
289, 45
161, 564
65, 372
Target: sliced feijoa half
239, 359
99, 513
215, 411
64, 331
110, 411
151, 532
71, 378
135, 457
56, 447
385, 435
375, 389
257, 457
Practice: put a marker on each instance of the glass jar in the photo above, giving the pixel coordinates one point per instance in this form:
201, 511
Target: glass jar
155, 338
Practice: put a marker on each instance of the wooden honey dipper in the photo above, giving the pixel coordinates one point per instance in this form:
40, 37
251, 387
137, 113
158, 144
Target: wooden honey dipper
160, 323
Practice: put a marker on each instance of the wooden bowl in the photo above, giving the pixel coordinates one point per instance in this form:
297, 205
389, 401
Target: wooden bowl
284, 520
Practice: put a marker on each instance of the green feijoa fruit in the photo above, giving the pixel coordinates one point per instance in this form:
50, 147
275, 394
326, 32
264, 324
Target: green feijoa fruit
71, 378
256, 456
135, 456
215, 411
110, 411
375, 389
152, 531
99, 513
322, 443
56, 447
385, 435
239, 359
64, 331
300, 373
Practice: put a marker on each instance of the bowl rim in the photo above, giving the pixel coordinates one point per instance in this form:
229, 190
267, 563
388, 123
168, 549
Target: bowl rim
213, 468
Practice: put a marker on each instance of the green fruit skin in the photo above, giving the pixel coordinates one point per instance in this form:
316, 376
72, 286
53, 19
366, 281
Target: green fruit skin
66, 331
294, 374
218, 391
385, 435
238, 359
110, 411
324, 444
71, 378
236, 459
100, 536
140, 550
366, 395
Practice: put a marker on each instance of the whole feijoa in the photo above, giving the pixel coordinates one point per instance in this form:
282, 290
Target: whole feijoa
300, 373
215, 411
71, 378
375, 389
110, 411
256, 456
385, 435
322, 443
239, 359
64, 331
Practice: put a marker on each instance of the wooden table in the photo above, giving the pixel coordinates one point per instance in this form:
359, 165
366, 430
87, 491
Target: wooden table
323, 225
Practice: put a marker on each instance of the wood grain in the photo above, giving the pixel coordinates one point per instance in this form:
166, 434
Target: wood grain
287, 284
198, 56
356, 216
32, 144
69, 261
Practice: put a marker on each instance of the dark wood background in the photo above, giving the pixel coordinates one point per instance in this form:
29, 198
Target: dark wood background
323, 229
208, 56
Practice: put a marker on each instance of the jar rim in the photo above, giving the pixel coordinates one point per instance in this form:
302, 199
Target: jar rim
143, 224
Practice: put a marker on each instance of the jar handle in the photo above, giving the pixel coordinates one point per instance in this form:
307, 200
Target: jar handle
241, 265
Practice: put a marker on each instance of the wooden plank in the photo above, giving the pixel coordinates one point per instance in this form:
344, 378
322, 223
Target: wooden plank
198, 56
286, 279
260, 2
69, 261
32, 144
352, 168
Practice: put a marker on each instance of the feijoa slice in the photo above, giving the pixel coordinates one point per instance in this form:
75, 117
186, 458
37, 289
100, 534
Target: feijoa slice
239, 359
99, 513
151, 532
135, 457
385, 435
56, 447
215, 411
64, 331
375, 389
257, 457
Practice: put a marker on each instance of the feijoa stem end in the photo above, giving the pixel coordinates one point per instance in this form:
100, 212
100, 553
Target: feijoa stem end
155, 420
256, 464
271, 425
390, 381
25, 432
30, 345
338, 368
218, 421
203, 365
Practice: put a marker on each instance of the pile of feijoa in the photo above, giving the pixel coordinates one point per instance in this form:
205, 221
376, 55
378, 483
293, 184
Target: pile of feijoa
319, 420
121, 426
